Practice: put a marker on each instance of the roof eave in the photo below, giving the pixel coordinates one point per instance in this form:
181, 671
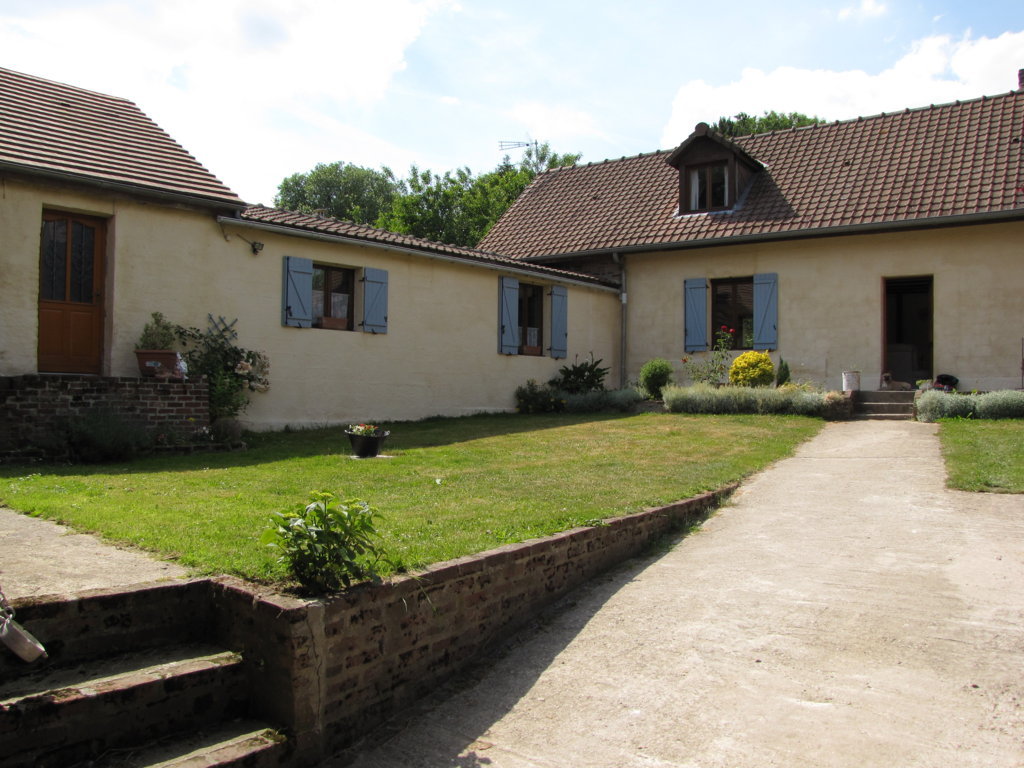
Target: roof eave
937, 222
141, 190
560, 276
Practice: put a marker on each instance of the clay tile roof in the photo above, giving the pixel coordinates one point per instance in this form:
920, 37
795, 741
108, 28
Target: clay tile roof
326, 225
900, 169
57, 130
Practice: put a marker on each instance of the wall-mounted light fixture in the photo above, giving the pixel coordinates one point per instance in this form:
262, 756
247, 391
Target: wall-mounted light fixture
255, 245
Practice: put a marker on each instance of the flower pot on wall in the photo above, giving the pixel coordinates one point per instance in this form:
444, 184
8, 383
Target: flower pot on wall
162, 363
367, 446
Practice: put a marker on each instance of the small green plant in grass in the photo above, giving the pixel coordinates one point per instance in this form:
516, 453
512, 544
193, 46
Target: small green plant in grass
654, 376
752, 369
327, 543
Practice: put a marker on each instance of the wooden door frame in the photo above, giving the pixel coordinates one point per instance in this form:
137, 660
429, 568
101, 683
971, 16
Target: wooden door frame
99, 285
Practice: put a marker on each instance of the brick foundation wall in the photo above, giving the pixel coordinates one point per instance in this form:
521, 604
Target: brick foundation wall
34, 407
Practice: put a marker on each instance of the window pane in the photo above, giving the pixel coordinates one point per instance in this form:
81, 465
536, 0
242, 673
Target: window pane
732, 306
697, 189
83, 243
318, 294
717, 174
53, 263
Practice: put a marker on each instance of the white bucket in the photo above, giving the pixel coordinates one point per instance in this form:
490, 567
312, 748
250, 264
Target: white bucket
851, 381
18, 639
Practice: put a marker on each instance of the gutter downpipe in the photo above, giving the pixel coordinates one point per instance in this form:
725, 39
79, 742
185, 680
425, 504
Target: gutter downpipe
620, 259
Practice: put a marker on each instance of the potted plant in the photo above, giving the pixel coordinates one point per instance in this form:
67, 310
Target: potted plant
366, 439
154, 350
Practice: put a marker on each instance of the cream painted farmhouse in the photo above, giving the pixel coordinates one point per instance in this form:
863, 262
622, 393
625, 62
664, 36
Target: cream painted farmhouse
892, 243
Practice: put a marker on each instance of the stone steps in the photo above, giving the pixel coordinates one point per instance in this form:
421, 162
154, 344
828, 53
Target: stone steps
116, 692
883, 405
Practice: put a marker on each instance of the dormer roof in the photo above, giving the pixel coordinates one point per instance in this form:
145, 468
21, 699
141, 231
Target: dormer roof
958, 163
703, 135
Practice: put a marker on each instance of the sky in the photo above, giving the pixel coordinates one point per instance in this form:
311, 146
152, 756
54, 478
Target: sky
258, 90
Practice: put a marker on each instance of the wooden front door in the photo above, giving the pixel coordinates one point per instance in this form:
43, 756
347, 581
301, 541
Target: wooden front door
71, 293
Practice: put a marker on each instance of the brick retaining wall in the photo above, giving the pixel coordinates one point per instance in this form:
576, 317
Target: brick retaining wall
34, 407
326, 671
332, 669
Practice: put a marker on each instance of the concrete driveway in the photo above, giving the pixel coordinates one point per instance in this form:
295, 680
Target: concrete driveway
844, 610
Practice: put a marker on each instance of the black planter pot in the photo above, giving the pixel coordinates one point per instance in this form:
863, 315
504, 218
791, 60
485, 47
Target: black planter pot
367, 446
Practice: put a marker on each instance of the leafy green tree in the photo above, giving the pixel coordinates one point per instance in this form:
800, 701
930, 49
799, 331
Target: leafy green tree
459, 207
341, 190
742, 124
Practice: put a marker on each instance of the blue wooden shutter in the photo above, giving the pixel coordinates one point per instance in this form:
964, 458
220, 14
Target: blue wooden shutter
559, 321
508, 316
375, 300
766, 311
297, 294
695, 299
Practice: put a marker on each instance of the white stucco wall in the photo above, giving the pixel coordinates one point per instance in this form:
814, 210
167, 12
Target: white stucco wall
439, 356
831, 294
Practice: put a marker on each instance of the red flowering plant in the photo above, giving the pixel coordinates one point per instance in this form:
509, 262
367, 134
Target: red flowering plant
714, 368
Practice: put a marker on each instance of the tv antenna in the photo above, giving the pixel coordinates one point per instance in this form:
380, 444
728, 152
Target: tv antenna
505, 145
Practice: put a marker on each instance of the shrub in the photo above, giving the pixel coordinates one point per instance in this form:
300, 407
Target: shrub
621, 400
712, 369
752, 369
231, 370
103, 435
158, 333
703, 398
934, 404
580, 378
532, 397
782, 373
654, 375
1004, 404
326, 543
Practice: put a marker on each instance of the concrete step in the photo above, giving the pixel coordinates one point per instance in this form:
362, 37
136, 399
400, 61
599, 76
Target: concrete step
883, 404
238, 744
883, 416
58, 716
884, 396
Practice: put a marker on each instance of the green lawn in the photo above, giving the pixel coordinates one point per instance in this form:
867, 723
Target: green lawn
984, 455
451, 488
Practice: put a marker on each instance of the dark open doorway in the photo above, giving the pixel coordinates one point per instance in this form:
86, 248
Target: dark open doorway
908, 328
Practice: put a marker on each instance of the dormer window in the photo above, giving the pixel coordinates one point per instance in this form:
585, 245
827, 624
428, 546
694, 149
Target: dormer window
707, 189
713, 171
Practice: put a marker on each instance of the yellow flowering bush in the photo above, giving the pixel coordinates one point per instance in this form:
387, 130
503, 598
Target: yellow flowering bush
752, 369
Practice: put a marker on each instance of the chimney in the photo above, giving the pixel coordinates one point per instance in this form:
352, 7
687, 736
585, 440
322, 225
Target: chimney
1020, 79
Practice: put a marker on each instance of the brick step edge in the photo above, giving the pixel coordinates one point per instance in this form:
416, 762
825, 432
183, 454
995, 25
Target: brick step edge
63, 726
239, 744
100, 674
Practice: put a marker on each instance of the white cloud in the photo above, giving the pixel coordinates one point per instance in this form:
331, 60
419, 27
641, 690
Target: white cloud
936, 70
556, 124
868, 9
218, 75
